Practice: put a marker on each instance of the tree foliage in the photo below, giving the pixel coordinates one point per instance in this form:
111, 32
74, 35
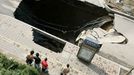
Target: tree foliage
11, 67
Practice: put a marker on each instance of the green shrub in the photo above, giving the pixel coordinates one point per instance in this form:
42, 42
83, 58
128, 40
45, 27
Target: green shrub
29, 71
11, 67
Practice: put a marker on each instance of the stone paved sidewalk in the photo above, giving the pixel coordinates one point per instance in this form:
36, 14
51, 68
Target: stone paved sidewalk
16, 39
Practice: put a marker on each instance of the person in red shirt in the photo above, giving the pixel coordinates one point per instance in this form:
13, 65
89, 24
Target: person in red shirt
44, 66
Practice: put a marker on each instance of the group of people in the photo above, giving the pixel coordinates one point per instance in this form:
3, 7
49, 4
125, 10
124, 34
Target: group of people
37, 61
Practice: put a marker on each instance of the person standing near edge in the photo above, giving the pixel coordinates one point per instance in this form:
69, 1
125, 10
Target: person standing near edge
44, 66
29, 58
37, 62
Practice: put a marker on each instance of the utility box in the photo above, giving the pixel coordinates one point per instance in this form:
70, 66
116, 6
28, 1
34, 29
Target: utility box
88, 49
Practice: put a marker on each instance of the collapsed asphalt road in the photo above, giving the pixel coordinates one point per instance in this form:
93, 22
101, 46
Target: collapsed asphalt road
63, 18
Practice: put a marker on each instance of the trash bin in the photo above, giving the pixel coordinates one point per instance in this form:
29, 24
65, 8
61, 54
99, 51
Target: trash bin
88, 49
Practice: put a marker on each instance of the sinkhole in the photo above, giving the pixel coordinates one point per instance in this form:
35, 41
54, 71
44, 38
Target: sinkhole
62, 18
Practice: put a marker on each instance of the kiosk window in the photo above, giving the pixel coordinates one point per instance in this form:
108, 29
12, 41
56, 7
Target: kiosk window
87, 50
85, 53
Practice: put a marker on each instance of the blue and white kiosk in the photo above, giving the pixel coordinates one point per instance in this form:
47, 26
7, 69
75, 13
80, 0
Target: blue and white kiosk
88, 49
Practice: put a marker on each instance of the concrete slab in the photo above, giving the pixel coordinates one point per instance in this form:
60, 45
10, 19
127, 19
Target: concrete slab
123, 52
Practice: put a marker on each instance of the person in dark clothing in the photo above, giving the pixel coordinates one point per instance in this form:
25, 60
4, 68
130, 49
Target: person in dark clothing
37, 62
29, 58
